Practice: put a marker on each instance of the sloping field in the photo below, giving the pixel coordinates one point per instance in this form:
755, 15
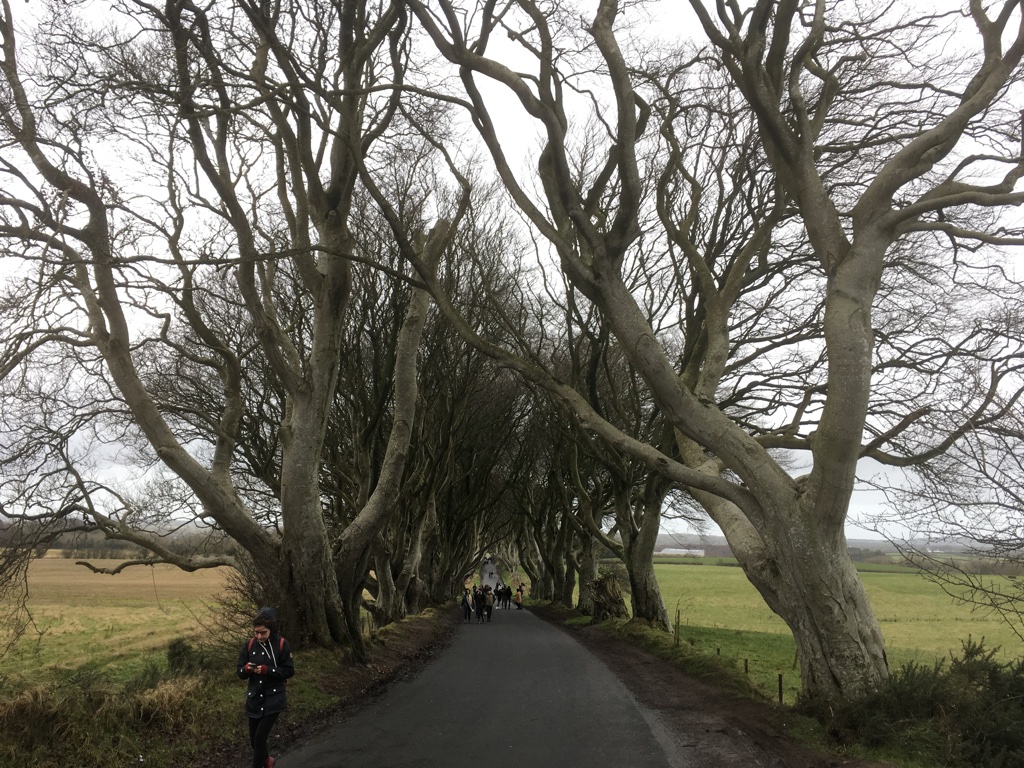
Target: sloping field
108, 623
58, 581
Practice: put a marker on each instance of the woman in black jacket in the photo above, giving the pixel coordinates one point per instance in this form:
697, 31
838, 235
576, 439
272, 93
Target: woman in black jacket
266, 661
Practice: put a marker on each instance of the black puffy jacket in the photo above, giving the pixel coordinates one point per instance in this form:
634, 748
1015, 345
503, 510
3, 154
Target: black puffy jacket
266, 694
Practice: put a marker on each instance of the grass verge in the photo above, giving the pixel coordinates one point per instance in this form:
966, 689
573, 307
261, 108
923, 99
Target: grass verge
184, 705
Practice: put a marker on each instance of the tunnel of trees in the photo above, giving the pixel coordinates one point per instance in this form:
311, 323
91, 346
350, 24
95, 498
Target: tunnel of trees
348, 294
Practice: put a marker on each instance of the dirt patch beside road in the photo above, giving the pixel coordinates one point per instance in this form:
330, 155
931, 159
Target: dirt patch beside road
711, 726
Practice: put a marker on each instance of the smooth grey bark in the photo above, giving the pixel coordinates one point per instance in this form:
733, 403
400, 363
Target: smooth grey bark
387, 605
552, 545
305, 225
540, 581
569, 581
412, 577
638, 549
90, 256
399, 567
637, 524
352, 547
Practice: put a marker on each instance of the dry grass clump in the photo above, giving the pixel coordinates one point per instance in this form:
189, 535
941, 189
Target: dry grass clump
166, 705
90, 720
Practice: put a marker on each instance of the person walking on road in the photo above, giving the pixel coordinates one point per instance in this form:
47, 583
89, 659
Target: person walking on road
478, 603
519, 598
467, 605
266, 662
488, 601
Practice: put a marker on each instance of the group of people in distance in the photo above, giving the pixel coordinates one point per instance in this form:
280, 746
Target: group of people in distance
483, 599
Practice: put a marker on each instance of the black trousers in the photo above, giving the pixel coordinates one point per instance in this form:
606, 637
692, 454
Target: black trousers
259, 732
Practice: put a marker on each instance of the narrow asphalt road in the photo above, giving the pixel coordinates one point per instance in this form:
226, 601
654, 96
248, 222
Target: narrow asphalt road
514, 693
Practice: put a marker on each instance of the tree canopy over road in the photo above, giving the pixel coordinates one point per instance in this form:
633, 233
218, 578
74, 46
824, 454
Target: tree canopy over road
280, 271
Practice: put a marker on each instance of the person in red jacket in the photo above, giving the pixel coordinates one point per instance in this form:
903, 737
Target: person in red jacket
266, 662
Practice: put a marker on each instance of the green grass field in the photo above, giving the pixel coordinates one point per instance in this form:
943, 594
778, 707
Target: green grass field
917, 617
95, 669
721, 613
115, 625
108, 624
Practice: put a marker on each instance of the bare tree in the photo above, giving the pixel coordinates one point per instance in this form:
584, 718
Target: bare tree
237, 132
958, 516
853, 173
607, 482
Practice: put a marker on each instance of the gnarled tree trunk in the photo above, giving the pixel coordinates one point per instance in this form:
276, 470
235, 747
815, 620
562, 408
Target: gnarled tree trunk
588, 575
638, 543
411, 581
806, 576
608, 600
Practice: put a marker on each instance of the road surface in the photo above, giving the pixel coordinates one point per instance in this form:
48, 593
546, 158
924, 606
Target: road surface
514, 693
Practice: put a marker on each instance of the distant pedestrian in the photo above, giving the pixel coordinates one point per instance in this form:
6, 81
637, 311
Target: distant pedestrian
519, 598
488, 602
467, 605
266, 661
478, 603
